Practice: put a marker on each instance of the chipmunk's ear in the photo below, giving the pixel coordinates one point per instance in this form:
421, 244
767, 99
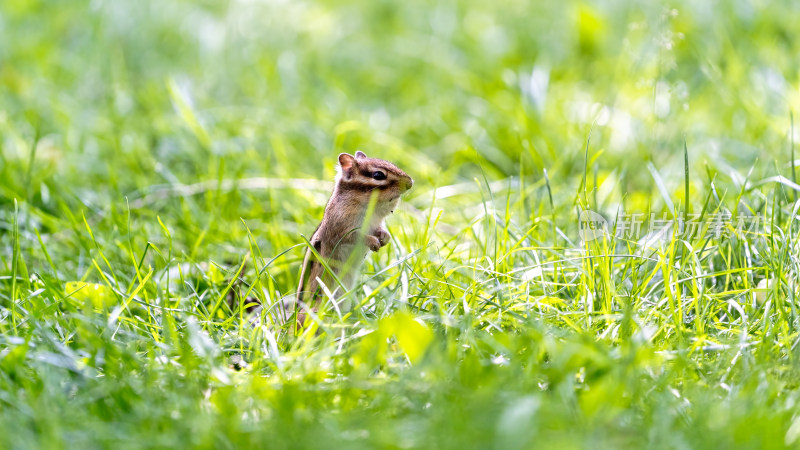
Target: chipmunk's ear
346, 163
360, 155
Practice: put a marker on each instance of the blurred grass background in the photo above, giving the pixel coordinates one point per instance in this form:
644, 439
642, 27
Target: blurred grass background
148, 147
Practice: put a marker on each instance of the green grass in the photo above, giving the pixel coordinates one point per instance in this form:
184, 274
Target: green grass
151, 151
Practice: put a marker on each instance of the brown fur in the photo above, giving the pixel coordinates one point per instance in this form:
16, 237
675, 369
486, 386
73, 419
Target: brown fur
339, 239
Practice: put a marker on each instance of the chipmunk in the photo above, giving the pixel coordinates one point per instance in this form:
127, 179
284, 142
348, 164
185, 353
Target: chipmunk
340, 239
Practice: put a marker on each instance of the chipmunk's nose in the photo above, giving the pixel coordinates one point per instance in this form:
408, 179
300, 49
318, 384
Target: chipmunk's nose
408, 183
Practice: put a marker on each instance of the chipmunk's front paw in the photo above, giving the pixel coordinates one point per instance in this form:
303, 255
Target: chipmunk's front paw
373, 243
382, 235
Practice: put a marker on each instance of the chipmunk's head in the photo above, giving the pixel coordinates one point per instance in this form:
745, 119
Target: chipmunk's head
361, 173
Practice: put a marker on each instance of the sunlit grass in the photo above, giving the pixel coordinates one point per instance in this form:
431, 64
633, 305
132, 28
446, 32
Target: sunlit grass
162, 162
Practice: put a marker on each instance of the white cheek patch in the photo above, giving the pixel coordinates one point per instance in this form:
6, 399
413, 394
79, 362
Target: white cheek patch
387, 208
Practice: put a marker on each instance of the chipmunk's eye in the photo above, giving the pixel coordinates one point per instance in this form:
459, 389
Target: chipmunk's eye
378, 175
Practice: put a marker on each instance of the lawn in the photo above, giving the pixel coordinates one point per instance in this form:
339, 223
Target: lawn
161, 164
